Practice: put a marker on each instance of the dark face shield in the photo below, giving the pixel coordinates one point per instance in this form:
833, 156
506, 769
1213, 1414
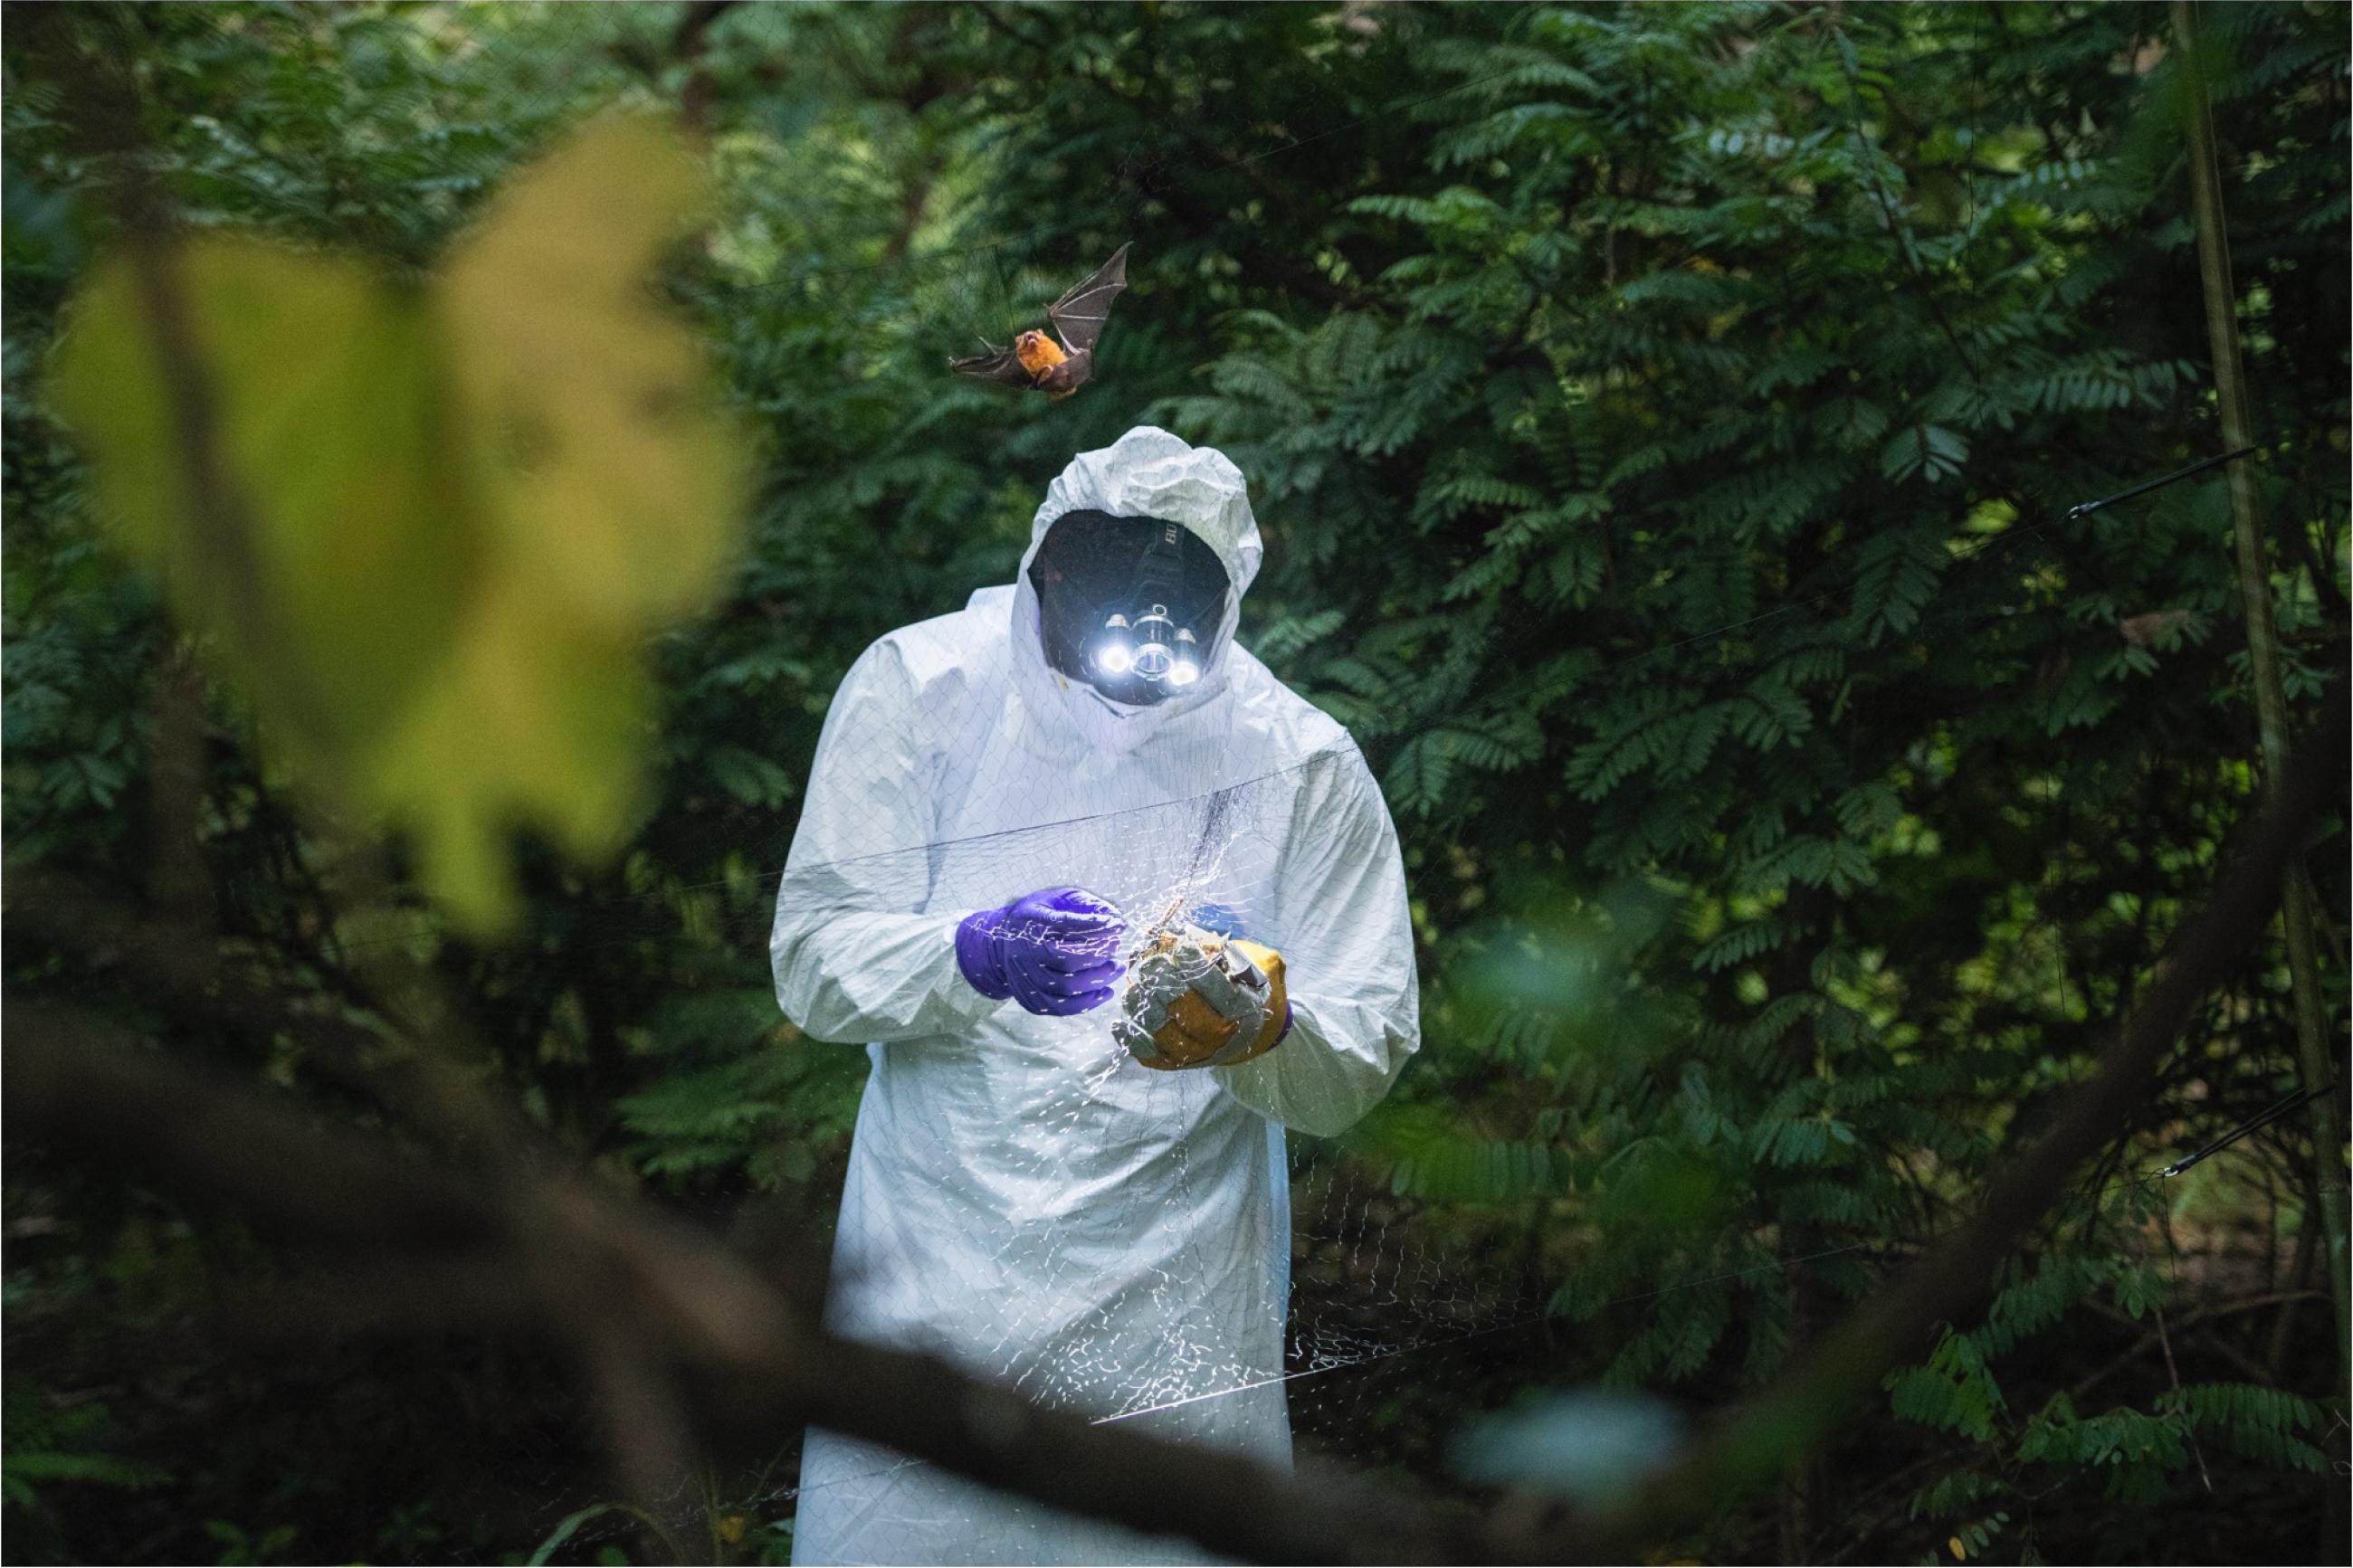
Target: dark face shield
1130, 606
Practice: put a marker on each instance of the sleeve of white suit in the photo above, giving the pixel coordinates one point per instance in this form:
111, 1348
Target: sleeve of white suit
856, 958
1345, 933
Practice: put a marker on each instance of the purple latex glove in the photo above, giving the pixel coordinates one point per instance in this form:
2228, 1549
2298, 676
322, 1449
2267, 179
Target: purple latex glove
1055, 951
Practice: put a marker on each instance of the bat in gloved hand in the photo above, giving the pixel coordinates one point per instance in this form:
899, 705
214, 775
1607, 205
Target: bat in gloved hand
1035, 360
1198, 998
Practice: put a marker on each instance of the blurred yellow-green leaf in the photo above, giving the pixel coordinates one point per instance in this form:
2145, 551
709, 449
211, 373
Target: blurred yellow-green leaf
589, 418
466, 502
537, 721
328, 412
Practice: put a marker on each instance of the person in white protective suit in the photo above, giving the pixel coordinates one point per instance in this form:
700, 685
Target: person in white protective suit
1109, 906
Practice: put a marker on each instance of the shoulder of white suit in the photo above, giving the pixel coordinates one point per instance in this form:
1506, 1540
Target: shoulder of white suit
1265, 699
950, 651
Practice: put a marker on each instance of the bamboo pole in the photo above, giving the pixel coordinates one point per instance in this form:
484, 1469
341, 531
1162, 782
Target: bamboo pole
2263, 646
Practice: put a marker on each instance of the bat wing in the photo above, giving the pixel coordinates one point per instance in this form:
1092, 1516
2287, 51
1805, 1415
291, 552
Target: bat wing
1079, 315
997, 365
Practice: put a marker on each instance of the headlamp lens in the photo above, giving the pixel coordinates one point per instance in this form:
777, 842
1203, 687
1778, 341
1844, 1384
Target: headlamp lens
1185, 666
1150, 647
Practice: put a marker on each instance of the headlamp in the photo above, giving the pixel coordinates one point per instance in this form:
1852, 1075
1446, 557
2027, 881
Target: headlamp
1130, 606
1152, 646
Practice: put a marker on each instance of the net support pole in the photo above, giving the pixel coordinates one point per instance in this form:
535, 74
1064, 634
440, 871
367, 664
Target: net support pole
2297, 906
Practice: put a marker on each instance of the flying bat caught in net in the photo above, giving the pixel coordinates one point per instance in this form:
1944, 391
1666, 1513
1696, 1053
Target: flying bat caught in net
1035, 360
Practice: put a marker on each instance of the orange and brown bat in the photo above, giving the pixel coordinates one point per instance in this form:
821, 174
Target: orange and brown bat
1035, 360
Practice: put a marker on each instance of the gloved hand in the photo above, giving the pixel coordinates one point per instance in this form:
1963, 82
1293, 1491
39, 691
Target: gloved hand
1055, 951
1199, 999
1221, 918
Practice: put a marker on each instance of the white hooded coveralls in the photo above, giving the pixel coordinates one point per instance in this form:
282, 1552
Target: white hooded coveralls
1023, 1198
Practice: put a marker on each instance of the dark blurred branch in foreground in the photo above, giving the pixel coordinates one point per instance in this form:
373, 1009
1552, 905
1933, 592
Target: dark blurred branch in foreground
666, 1307
72, 1073
668, 1304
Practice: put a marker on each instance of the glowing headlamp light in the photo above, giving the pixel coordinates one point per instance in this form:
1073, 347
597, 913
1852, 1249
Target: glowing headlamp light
1114, 657
1153, 647
1186, 668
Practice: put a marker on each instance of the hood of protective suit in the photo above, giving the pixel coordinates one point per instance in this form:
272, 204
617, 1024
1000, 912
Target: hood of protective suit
1148, 472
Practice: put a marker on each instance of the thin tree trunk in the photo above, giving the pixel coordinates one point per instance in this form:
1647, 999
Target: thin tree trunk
2262, 646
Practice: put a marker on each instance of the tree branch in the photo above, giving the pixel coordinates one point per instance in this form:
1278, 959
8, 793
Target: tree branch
588, 1262
686, 46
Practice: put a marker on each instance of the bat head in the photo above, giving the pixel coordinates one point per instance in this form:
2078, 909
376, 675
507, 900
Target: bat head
1037, 352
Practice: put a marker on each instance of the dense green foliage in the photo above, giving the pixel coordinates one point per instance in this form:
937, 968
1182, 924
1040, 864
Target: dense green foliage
1663, 419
